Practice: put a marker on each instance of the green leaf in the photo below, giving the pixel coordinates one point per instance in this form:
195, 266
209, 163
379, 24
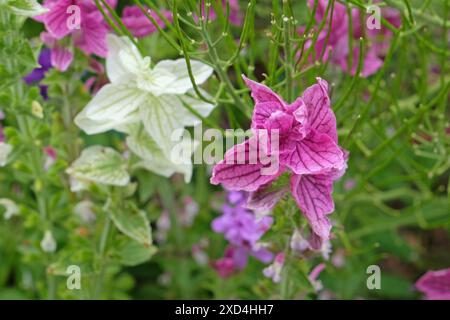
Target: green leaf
102, 165
132, 253
27, 8
131, 221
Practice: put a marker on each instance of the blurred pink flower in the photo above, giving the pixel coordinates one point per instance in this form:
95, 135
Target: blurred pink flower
79, 19
235, 11
435, 284
336, 47
137, 22
50, 158
317, 284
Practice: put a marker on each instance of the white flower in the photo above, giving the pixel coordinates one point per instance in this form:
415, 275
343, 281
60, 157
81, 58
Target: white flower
11, 208
48, 243
155, 97
5, 150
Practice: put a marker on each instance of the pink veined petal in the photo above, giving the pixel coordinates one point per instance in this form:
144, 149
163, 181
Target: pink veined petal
266, 102
92, 36
313, 195
242, 169
319, 114
56, 19
316, 153
435, 284
61, 58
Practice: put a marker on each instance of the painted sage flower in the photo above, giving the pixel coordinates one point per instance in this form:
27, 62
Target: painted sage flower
153, 97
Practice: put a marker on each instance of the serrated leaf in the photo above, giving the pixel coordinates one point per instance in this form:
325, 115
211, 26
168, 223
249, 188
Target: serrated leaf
131, 221
102, 165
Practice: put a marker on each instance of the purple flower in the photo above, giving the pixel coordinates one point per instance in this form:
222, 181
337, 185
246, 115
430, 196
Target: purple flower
38, 74
139, 25
308, 148
435, 284
238, 224
243, 231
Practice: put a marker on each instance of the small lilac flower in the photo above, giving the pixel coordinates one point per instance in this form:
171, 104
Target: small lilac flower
308, 148
435, 284
199, 254
84, 209
274, 270
238, 224
189, 212
162, 227
137, 22
298, 243
349, 184
338, 258
243, 231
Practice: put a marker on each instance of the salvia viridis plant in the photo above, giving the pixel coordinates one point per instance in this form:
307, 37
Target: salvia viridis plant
224, 149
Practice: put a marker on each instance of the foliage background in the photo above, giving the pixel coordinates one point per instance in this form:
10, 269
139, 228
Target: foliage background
395, 124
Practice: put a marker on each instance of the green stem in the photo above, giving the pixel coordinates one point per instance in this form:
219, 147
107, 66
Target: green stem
102, 247
287, 51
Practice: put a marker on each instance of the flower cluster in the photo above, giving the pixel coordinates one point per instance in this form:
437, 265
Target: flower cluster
333, 41
308, 149
243, 231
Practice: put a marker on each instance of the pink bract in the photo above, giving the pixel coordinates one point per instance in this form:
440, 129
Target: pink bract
308, 149
435, 284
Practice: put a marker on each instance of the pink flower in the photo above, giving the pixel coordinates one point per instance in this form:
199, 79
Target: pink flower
79, 19
317, 284
337, 47
435, 284
308, 149
234, 260
274, 270
94, 83
50, 157
139, 25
